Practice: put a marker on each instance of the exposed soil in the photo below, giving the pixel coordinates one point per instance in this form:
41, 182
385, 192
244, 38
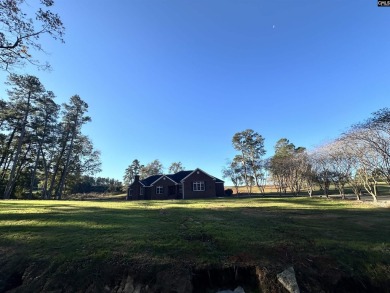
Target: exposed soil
316, 274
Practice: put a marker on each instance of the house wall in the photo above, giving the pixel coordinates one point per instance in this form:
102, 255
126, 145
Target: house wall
220, 189
210, 188
165, 183
135, 191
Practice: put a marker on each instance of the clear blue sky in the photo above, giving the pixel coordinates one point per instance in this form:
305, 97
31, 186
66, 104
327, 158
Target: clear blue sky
175, 79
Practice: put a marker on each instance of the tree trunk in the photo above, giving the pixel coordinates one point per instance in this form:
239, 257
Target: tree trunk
33, 176
12, 177
6, 151
46, 174
57, 166
65, 171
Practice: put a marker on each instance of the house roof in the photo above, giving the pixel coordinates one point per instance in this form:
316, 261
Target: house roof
148, 181
162, 177
177, 177
197, 169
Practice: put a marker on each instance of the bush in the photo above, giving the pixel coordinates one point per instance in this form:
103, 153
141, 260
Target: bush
229, 192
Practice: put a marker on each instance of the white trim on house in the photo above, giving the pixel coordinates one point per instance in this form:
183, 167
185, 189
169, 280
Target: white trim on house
197, 169
162, 177
198, 186
156, 180
160, 188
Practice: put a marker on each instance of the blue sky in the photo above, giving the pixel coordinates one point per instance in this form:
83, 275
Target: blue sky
175, 79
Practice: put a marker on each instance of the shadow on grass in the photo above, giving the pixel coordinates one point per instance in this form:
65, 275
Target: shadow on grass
215, 231
163, 227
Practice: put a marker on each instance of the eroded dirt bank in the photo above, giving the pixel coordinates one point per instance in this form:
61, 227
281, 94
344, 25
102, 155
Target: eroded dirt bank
314, 275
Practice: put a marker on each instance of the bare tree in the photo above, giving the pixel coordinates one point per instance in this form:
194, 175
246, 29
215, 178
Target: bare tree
366, 164
321, 164
309, 177
340, 165
175, 167
369, 142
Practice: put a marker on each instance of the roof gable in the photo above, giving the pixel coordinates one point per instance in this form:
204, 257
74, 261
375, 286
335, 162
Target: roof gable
148, 181
162, 177
200, 170
177, 177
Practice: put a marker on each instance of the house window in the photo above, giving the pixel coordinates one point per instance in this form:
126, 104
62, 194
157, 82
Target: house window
159, 189
198, 186
141, 191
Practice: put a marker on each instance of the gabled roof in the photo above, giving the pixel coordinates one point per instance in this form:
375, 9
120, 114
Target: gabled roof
148, 181
197, 169
177, 177
162, 177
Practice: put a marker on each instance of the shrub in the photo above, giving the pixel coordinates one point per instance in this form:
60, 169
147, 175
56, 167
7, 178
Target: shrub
229, 192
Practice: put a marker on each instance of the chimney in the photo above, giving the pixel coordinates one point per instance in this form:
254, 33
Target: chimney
136, 178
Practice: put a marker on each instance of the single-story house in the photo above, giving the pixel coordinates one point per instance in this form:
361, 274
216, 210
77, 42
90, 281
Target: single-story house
181, 185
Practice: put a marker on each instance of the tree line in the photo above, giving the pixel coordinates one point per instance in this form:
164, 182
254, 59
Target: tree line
42, 146
42, 149
90, 184
358, 159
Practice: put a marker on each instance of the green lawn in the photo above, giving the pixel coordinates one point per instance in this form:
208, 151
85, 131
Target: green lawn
82, 239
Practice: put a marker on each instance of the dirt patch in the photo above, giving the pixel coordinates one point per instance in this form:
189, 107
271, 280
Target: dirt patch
315, 274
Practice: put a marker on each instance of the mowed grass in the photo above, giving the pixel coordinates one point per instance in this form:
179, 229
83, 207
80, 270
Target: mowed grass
271, 231
383, 189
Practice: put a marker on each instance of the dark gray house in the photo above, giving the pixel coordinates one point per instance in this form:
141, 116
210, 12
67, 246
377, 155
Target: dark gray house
182, 185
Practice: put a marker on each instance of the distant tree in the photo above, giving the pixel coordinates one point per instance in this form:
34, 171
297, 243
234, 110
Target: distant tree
374, 135
250, 144
284, 147
322, 167
341, 165
233, 171
20, 31
175, 167
153, 168
131, 171
367, 170
288, 166
88, 184
309, 179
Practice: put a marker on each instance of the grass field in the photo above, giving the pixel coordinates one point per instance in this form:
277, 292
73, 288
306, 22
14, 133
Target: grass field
383, 189
81, 240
